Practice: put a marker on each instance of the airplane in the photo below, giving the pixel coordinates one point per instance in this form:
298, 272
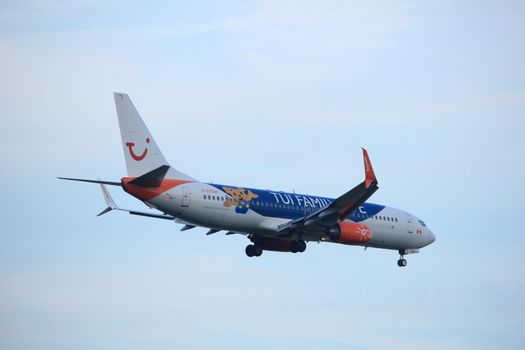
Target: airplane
271, 220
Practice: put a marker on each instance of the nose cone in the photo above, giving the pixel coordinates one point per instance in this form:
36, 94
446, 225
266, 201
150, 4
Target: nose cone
431, 237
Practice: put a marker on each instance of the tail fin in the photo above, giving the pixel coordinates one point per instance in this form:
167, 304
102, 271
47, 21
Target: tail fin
140, 149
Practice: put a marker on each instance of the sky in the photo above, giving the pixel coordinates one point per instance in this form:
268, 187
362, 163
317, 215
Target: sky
264, 94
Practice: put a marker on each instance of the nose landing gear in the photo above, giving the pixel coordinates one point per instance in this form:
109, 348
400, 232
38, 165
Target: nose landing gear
402, 261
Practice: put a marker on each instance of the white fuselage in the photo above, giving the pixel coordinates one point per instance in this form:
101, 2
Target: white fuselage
209, 205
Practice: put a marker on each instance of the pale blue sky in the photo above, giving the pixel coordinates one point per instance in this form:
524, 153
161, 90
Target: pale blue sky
268, 95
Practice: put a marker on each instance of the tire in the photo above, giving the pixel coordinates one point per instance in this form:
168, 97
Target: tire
293, 247
250, 250
257, 250
301, 246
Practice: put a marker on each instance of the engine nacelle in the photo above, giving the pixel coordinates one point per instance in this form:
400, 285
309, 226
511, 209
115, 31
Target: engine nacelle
351, 233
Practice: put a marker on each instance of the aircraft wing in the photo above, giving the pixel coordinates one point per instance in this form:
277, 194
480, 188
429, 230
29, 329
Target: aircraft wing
339, 209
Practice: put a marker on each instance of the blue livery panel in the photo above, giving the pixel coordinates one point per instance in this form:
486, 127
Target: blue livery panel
285, 205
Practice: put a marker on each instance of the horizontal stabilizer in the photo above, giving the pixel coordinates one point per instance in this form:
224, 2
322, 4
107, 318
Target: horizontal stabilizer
112, 183
152, 179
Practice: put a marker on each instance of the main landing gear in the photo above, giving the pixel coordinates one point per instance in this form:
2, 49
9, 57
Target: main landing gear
253, 250
298, 246
402, 261
279, 245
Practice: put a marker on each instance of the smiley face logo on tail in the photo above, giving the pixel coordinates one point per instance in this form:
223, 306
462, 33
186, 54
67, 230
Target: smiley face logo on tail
132, 153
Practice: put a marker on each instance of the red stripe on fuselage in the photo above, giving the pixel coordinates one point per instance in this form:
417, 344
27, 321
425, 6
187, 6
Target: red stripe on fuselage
147, 193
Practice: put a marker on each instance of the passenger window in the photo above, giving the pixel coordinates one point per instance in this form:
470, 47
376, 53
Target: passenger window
209, 197
204, 196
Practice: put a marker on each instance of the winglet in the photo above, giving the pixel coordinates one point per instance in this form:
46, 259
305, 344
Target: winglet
369, 171
109, 201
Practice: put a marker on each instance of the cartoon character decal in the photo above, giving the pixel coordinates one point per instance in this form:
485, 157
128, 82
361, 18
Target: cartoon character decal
240, 199
132, 153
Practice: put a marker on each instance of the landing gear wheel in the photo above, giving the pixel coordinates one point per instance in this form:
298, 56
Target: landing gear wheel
253, 250
300, 245
250, 250
293, 247
257, 251
402, 262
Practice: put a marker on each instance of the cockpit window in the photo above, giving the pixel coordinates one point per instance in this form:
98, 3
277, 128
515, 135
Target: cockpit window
422, 223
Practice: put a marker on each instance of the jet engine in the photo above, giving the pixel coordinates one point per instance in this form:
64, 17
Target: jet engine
347, 232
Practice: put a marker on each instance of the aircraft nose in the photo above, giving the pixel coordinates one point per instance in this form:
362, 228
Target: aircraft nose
431, 237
